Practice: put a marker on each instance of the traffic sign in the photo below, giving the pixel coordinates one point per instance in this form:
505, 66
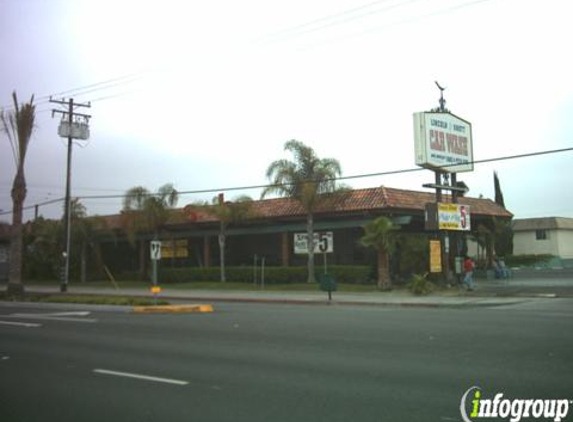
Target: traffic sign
323, 242
155, 249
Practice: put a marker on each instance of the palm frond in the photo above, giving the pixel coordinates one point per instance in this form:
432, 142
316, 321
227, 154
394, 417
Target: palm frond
379, 234
135, 198
304, 178
18, 125
168, 195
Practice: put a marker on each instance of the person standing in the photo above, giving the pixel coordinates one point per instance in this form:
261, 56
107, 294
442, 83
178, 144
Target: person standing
469, 267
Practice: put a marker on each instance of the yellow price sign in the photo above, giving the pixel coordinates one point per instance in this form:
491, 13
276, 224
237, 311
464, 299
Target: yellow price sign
435, 256
155, 290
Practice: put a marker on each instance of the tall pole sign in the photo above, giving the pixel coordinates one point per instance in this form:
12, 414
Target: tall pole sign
443, 144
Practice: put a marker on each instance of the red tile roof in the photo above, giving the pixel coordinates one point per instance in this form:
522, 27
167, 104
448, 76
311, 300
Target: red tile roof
373, 199
381, 199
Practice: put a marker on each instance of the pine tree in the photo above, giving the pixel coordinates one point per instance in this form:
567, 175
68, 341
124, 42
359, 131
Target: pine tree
498, 193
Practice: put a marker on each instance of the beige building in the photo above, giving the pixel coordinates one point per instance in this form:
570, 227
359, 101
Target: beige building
548, 235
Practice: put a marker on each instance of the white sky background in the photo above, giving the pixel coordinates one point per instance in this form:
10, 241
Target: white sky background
219, 86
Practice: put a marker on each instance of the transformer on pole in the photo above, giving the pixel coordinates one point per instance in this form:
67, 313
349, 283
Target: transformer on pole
72, 126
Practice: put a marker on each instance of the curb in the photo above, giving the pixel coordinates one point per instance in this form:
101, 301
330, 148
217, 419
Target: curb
397, 304
173, 309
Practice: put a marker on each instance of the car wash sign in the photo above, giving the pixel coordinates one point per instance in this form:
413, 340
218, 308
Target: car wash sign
443, 141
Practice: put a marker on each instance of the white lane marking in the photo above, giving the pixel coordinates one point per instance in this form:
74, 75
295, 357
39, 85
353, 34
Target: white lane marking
5, 357
74, 313
139, 376
49, 317
21, 324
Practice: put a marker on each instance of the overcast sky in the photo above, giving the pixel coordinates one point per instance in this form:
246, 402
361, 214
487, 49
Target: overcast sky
203, 94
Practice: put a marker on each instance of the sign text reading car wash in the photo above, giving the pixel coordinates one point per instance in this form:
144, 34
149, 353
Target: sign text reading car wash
443, 141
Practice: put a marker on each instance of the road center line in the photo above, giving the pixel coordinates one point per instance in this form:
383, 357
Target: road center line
21, 324
139, 376
51, 318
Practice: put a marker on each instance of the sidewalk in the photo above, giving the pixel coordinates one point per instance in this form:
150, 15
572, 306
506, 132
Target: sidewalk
393, 298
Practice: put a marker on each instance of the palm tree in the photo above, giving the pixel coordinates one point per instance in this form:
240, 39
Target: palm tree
144, 211
228, 213
18, 125
379, 234
305, 179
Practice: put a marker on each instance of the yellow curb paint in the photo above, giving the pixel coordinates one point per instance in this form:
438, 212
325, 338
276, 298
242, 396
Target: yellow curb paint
173, 309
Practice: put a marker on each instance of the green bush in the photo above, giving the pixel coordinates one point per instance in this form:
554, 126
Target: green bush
129, 276
355, 274
527, 260
420, 285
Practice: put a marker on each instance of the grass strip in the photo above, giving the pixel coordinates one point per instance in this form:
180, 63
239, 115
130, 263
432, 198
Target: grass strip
82, 299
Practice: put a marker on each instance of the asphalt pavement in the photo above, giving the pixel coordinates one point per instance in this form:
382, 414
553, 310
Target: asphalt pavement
278, 362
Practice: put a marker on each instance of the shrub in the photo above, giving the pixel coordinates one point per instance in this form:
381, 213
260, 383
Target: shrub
355, 274
420, 285
527, 260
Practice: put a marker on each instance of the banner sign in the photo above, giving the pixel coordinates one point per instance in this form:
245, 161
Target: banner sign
435, 256
448, 217
323, 242
174, 249
454, 217
442, 139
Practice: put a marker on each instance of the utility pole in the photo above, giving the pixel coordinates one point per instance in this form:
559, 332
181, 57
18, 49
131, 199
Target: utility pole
72, 126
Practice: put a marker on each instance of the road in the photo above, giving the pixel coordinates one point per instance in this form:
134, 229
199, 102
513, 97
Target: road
260, 362
532, 282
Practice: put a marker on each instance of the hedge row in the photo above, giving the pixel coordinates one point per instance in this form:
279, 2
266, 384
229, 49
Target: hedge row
355, 274
527, 260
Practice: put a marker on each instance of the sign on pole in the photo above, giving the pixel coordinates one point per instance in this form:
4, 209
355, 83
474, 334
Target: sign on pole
435, 256
155, 249
323, 242
443, 141
445, 216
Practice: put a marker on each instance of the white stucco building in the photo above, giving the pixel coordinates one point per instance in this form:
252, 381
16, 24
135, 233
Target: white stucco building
548, 235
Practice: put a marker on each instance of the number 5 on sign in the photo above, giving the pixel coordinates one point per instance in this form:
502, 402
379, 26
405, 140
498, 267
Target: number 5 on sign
155, 249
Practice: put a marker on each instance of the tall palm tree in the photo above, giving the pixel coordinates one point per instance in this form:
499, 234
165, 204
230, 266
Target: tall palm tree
305, 179
144, 211
18, 125
379, 234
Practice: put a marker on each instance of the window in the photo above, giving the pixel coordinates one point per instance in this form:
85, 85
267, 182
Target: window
541, 235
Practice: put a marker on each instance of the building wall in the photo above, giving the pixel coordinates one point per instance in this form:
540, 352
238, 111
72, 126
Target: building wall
4, 253
525, 243
565, 243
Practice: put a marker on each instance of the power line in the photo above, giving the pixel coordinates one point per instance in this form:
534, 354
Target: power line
120, 80
353, 18
87, 89
358, 176
109, 97
39, 204
295, 28
295, 32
